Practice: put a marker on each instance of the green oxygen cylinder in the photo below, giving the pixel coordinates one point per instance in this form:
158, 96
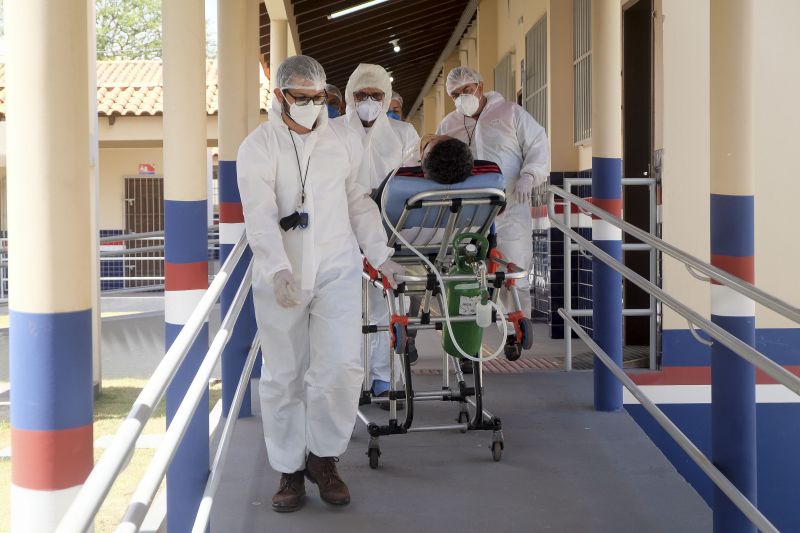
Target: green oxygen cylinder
463, 297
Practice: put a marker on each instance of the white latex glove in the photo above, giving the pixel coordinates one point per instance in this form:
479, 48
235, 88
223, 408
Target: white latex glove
285, 288
522, 193
388, 269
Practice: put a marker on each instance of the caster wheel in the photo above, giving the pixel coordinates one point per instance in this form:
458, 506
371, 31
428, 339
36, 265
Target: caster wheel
374, 455
513, 351
527, 333
497, 451
400, 339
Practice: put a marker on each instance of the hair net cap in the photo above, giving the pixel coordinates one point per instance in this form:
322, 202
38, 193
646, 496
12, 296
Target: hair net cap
396, 96
333, 89
460, 76
364, 76
300, 72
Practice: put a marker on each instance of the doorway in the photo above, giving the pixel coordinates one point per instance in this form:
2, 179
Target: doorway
144, 212
637, 120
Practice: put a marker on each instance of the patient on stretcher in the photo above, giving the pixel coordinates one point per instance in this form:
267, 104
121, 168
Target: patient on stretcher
444, 160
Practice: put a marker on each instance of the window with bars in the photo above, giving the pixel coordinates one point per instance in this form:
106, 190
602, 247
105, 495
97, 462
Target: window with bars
536, 72
504, 78
582, 70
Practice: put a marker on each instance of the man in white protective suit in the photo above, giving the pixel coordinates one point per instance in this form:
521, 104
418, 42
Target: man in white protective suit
388, 144
504, 133
306, 215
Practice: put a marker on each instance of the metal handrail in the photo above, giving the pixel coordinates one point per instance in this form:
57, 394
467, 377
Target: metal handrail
80, 515
736, 345
215, 476
694, 453
729, 280
151, 480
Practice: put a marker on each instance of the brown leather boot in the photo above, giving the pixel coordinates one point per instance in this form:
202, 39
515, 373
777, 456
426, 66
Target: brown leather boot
322, 471
290, 494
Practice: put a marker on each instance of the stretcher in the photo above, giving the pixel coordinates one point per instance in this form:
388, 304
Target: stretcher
452, 226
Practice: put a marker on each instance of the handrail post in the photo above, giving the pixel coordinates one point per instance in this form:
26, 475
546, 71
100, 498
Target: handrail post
733, 403
607, 193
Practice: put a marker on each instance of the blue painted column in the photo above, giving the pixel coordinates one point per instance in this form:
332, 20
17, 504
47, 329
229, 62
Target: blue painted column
51, 255
186, 239
607, 194
235, 97
733, 402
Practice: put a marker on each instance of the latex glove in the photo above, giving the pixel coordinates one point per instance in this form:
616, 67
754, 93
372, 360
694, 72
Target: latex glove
285, 288
522, 193
389, 269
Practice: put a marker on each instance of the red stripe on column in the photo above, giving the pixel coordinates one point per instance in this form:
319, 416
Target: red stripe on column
741, 267
185, 276
231, 213
613, 206
51, 460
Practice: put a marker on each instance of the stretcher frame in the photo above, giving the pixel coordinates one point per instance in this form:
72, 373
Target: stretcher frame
436, 204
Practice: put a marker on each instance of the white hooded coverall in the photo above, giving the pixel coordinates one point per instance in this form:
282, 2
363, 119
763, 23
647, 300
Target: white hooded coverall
508, 135
312, 372
388, 144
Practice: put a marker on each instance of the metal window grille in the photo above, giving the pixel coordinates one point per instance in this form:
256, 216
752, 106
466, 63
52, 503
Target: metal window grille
536, 72
504, 78
582, 69
144, 211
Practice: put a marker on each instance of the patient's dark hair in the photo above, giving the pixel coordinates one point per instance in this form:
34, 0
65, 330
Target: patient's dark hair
448, 161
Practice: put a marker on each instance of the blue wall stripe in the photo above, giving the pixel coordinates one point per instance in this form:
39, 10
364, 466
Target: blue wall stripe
606, 173
679, 348
778, 462
186, 231
228, 187
732, 231
51, 369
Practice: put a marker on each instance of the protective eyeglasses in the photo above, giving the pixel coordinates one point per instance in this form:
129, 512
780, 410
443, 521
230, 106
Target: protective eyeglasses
472, 88
360, 96
302, 100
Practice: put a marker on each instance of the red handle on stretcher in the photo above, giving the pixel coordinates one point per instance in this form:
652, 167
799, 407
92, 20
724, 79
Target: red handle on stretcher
373, 274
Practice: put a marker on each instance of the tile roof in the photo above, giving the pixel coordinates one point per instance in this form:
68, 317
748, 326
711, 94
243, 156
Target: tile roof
134, 88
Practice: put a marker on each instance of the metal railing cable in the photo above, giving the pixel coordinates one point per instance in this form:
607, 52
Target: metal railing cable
151, 480
215, 476
694, 453
739, 285
736, 345
80, 515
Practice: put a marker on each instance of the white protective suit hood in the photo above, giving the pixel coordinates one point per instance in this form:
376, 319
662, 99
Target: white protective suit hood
388, 143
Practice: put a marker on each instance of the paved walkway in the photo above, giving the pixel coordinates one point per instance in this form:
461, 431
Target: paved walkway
565, 468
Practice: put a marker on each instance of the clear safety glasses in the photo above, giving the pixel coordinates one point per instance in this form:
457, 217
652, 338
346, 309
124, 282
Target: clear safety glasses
302, 100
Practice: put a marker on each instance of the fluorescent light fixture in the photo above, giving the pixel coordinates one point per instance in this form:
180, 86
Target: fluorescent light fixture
353, 9
391, 79
395, 44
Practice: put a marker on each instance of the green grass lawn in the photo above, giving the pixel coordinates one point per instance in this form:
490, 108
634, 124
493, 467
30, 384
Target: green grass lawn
111, 408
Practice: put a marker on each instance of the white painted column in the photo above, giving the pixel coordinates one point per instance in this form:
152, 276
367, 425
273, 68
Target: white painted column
278, 35
50, 257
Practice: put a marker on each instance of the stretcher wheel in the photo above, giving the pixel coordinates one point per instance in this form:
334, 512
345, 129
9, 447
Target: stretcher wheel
497, 451
527, 333
374, 455
400, 338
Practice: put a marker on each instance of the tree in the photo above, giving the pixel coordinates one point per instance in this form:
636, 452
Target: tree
128, 29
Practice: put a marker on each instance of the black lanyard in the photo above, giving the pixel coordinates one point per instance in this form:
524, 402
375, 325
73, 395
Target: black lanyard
472, 136
303, 177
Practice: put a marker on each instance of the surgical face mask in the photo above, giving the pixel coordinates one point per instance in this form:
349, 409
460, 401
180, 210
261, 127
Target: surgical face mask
467, 104
305, 115
368, 110
333, 111
392, 114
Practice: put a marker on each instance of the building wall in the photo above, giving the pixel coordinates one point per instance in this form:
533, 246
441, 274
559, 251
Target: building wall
115, 164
